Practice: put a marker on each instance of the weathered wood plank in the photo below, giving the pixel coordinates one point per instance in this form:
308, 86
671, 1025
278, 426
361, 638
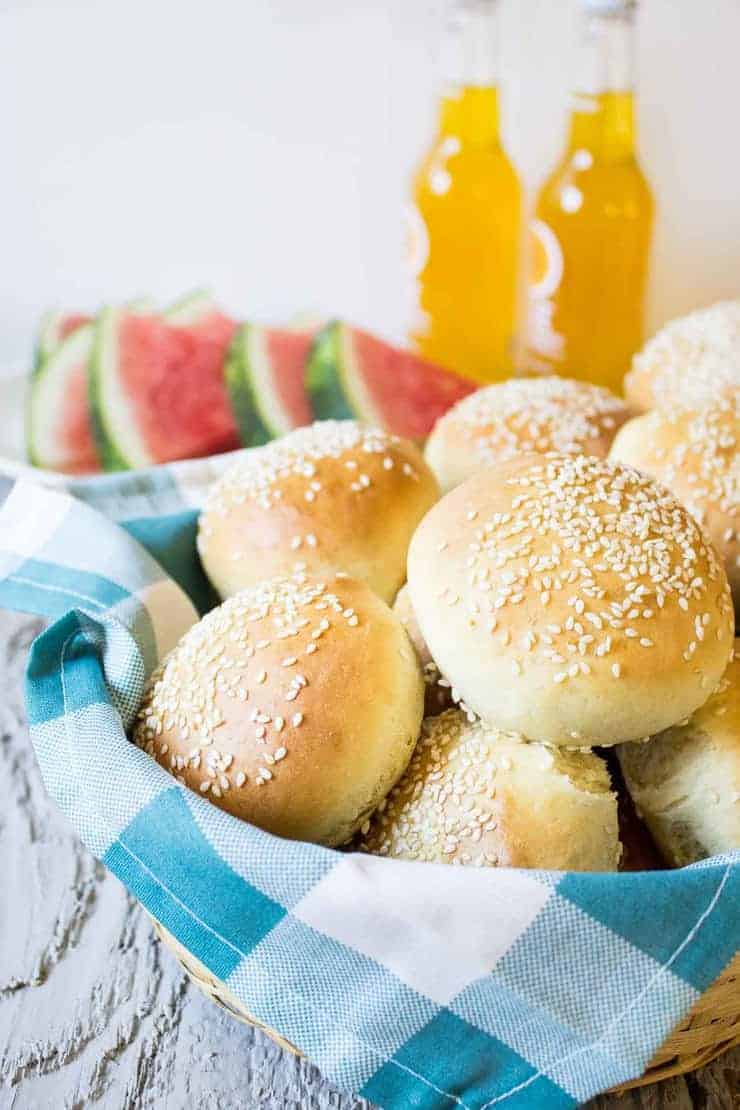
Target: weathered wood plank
93, 1012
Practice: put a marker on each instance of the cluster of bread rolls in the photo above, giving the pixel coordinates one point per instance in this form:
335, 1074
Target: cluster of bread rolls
426, 655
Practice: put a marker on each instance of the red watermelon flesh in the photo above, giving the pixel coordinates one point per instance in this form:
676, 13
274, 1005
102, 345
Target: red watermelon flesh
173, 377
409, 393
75, 431
71, 323
76, 437
287, 353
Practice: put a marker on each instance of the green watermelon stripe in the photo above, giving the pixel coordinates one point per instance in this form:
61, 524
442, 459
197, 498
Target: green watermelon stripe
244, 396
110, 457
325, 378
47, 341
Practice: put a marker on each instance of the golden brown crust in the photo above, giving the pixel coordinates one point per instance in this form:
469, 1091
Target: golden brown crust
295, 706
571, 600
691, 361
522, 416
686, 782
696, 454
475, 796
333, 496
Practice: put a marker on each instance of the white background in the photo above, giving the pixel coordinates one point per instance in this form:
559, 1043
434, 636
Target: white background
263, 148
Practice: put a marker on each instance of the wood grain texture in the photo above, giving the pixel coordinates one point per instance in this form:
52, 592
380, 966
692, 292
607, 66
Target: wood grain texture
94, 1012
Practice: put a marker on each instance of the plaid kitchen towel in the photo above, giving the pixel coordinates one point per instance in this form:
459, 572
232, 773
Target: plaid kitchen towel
414, 985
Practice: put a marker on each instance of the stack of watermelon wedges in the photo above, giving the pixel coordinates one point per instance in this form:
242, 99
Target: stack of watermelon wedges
132, 387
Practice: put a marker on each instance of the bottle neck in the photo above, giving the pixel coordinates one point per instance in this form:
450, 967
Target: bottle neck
602, 101
469, 108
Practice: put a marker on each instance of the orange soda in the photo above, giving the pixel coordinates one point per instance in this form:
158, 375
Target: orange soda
591, 232
465, 224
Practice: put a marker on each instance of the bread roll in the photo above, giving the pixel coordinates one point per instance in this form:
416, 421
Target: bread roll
697, 455
474, 795
570, 599
438, 695
295, 705
691, 361
686, 782
333, 496
521, 416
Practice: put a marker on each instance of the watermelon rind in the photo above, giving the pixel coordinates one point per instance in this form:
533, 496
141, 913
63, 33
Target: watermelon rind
48, 339
114, 422
191, 309
47, 392
335, 385
250, 377
324, 376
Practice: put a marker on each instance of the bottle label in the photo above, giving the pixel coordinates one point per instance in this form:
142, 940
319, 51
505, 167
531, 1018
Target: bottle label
416, 257
417, 241
547, 266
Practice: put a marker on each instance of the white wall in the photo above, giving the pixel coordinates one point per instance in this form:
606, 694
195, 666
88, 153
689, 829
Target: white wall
263, 148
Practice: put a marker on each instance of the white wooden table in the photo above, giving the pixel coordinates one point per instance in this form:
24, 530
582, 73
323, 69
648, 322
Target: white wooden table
94, 1012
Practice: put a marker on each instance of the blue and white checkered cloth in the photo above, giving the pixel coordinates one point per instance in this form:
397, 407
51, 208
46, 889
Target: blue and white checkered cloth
411, 984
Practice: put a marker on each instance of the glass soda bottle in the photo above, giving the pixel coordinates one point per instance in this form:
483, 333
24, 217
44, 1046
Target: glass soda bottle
590, 237
465, 224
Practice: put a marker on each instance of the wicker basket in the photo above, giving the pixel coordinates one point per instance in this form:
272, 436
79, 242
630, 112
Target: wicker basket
711, 1028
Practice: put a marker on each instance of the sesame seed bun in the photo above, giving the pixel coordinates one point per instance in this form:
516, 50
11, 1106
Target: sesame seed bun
570, 599
686, 781
691, 361
332, 496
294, 705
474, 795
438, 695
521, 416
697, 455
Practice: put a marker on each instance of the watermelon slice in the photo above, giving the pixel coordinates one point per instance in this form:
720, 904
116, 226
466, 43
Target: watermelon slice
58, 431
156, 387
55, 327
265, 376
351, 373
